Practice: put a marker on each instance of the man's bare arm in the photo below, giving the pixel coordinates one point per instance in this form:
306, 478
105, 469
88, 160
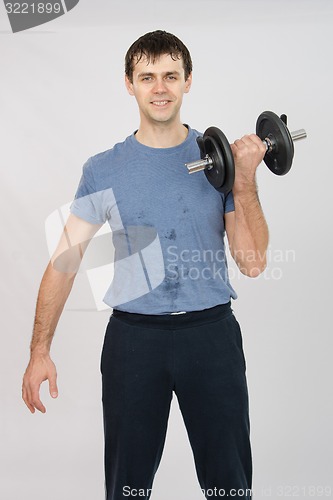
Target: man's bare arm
54, 290
246, 227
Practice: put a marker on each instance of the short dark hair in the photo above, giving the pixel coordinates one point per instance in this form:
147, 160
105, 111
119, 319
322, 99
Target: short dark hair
153, 45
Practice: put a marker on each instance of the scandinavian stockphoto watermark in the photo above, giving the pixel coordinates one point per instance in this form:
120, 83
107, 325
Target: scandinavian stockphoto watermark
124, 264
208, 264
208, 493
25, 15
277, 491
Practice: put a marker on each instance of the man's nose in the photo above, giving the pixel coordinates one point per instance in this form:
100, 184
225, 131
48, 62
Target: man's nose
159, 87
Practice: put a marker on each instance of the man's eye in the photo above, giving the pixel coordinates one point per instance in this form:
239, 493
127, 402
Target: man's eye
146, 78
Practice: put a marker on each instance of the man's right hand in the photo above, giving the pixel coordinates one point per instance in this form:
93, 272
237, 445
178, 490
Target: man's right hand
53, 292
40, 368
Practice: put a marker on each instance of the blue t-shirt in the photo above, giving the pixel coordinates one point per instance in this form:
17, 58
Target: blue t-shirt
167, 227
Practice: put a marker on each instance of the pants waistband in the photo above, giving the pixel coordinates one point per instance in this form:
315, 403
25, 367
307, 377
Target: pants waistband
173, 321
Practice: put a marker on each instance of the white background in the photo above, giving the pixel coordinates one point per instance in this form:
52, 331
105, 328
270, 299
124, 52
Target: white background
63, 100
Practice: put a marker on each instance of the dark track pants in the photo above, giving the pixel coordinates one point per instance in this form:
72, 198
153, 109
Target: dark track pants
197, 355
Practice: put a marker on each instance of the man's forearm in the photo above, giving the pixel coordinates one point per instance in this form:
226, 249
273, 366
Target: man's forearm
250, 238
53, 293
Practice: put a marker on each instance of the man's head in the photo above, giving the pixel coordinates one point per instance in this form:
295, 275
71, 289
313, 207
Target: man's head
158, 73
152, 46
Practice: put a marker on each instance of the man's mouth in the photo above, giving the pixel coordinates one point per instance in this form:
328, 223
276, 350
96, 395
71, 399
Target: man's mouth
160, 103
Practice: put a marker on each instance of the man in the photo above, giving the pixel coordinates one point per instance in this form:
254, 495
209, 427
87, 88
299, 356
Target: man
179, 334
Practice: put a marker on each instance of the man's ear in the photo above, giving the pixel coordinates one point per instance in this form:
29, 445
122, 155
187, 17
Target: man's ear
129, 85
188, 83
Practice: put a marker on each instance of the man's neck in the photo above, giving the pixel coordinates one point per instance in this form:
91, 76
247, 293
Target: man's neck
162, 136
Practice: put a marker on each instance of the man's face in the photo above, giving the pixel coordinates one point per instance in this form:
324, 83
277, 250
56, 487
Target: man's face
159, 88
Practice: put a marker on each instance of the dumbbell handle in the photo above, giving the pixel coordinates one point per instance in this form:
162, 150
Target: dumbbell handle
207, 162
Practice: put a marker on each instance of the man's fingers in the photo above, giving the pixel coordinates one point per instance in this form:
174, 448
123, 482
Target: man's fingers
36, 402
26, 399
53, 387
32, 398
256, 140
252, 141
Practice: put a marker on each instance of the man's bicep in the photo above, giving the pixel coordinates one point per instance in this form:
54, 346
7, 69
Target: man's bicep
76, 235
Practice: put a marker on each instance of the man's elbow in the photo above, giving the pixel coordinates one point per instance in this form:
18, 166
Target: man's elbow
67, 261
250, 262
254, 269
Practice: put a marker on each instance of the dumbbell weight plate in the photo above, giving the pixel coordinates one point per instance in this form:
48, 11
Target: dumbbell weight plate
270, 125
216, 145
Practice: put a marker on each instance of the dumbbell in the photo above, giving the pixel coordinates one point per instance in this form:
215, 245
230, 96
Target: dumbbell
217, 159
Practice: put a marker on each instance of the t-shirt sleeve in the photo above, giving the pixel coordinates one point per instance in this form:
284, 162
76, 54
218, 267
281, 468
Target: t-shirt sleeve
88, 202
229, 205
